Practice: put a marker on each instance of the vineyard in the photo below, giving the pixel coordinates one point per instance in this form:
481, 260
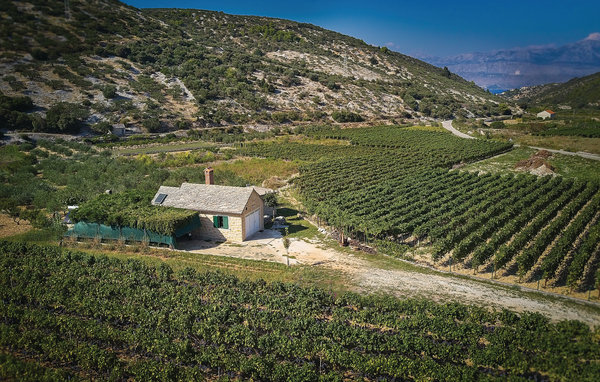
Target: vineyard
393, 185
69, 315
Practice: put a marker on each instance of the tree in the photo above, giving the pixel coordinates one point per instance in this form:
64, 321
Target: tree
102, 127
9, 207
152, 124
447, 72
270, 200
65, 117
109, 91
346, 116
286, 245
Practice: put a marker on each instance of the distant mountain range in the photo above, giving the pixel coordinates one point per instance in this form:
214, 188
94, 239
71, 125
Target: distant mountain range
534, 65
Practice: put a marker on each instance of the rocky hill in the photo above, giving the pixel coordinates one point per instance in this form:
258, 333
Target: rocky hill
576, 93
102, 62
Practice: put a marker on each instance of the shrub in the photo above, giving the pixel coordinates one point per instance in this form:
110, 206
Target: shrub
65, 117
346, 116
15, 103
133, 209
151, 124
109, 91
101, 127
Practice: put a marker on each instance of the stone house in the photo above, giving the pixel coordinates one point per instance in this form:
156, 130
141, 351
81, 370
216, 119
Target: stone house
226, 213
546, 114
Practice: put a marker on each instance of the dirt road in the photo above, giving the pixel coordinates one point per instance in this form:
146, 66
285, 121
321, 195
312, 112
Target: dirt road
582, 154
448, 126
368, 275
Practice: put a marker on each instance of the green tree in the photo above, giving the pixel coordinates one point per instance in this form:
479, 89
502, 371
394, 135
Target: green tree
9, 207
152, 124
109, 91
286, 245
65, 117
270, 200
447, 73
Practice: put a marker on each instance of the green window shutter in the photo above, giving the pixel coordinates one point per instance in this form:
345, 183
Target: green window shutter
226, 222
216, 221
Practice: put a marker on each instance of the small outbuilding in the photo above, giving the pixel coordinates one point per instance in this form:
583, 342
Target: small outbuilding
546, 114
118, 130
226, 213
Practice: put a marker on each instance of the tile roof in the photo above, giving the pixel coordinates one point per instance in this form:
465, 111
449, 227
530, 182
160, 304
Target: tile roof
206, 197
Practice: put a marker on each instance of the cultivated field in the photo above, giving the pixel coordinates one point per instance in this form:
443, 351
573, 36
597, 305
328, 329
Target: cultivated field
394, 188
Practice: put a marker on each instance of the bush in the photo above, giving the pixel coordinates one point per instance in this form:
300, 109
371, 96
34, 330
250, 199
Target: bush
15, 120
497, 125
133, 209
65, 117
346, 116
15, 103
109, 91
152, 124
39, 54
102, 127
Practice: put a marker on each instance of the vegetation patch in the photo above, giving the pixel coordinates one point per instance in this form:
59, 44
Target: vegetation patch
255, 330
133, 209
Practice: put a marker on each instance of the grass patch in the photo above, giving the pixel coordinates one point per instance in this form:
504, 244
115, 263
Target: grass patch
257, 170
501, 163
576, 167
40, 236
565, 165
438, 129
298, 227
574, 144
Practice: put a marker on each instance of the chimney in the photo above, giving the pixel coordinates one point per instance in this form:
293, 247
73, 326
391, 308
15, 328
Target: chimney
208, 176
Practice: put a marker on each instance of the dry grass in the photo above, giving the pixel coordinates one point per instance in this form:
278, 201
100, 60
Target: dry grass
258, 170
590, 145
9, 228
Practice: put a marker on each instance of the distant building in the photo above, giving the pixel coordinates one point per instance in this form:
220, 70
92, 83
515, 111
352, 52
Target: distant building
118, 130
546, 114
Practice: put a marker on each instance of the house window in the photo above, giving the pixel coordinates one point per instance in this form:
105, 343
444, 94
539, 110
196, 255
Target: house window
221, 222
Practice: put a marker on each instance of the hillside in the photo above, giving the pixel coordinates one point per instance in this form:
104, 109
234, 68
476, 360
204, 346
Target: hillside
578, 93
166, 68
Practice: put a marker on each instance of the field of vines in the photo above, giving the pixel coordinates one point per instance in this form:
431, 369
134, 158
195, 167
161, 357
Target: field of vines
69, 315
396, 185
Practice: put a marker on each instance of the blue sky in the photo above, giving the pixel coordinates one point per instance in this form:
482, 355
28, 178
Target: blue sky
425, 27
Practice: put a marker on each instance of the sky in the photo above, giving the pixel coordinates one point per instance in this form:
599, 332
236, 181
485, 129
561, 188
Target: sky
424, 28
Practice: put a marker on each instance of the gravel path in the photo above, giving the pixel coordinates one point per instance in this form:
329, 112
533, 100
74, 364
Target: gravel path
582, 154
368, 276
448, 126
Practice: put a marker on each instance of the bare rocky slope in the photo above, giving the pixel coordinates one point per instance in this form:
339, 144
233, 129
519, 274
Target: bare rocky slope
166, 68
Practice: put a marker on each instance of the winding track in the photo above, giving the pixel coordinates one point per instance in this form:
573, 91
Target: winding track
448, 126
